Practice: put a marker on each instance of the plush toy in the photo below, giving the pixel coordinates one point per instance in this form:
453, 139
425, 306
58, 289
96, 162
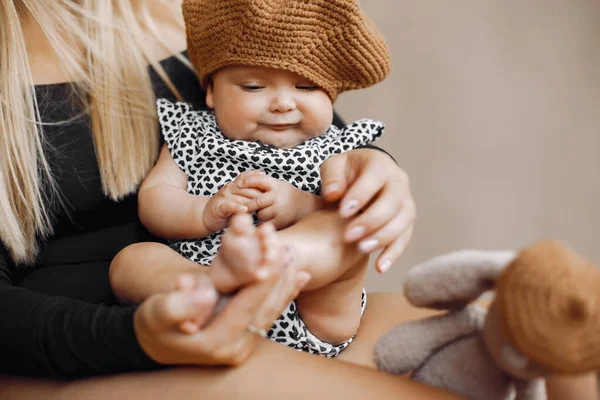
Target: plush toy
544, 319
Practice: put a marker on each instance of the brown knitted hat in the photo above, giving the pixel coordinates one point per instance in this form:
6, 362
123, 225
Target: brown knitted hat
329, 42
548, 302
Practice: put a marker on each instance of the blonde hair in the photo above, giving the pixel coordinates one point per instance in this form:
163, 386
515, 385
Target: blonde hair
109, 72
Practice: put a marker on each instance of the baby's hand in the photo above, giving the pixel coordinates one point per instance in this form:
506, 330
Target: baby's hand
230, 199
281, 203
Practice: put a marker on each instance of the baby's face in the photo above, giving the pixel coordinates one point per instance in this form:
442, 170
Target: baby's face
277, 107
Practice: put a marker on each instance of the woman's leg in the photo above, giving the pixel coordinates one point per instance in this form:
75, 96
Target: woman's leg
275, 371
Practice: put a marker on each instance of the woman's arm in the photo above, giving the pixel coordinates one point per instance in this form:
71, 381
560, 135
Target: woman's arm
42, 335
51, 336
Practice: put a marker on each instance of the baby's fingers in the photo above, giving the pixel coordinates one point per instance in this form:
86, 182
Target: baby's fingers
227, 208
267, 214
261, 202
260, 182
245, 193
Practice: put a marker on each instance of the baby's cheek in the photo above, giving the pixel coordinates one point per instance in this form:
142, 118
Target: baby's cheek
234, 125
316, 127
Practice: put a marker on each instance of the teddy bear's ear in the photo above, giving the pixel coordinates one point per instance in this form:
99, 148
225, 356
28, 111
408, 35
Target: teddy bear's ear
455, 279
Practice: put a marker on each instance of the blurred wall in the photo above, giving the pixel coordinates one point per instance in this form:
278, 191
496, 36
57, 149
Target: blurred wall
493, 109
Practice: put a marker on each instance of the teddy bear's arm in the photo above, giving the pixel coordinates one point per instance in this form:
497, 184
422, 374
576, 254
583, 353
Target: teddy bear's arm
455, 279
407, 345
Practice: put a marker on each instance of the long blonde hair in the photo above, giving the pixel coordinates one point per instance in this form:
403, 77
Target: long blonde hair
109, 71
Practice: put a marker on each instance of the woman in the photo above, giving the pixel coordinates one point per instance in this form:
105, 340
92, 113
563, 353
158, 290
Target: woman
59, 184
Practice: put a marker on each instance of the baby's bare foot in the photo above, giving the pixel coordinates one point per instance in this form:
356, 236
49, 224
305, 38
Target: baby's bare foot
246, 254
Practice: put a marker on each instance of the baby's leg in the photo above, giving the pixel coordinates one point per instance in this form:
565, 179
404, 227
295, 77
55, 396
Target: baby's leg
143, 269
330, 303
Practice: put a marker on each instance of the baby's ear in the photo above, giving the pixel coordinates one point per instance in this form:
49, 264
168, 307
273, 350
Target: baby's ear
455, 279
210, 88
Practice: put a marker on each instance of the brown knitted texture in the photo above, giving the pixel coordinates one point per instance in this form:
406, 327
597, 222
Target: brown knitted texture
329, 42
547, 299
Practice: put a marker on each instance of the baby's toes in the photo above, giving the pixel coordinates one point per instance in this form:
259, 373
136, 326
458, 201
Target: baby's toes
242, 225
272, 251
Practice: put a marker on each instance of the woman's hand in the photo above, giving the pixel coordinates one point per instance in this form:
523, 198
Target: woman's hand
225, 340
369, 180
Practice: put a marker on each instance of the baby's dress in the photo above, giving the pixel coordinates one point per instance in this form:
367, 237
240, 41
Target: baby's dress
210, 160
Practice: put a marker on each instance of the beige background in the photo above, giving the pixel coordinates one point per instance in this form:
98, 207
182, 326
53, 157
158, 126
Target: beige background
493, 108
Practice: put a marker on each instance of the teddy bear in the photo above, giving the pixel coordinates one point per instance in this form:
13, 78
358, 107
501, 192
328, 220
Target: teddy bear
544, 319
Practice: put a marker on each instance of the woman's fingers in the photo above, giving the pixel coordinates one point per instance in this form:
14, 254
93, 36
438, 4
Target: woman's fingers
386, 219
392, 252
192, 282
363, 189
232, 323
164, 310
387, 234
286, 290
334, 177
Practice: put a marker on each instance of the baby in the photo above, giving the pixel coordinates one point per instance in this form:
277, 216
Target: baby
271, 71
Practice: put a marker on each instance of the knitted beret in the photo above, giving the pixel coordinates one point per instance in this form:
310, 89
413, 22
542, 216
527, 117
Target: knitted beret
548, 301
330, 42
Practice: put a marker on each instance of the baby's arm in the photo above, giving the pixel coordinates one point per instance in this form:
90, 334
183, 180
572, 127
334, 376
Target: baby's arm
169, 211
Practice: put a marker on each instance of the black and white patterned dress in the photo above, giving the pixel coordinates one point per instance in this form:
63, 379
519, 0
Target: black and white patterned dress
211, 160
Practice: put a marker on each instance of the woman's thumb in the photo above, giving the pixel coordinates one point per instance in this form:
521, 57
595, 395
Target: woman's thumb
333, 177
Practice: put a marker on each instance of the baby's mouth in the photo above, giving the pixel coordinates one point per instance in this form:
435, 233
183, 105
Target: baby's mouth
281, 127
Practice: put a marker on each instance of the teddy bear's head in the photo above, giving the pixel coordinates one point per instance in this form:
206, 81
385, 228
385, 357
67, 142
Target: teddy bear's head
546, 311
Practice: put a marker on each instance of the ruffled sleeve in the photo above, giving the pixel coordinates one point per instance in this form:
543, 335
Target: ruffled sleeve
359, 134
178, 125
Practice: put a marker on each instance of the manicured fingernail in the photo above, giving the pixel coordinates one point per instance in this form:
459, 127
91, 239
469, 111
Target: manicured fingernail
263, 273
355, 233
331, 188
384, 266
368, 246
302, 279
348, 207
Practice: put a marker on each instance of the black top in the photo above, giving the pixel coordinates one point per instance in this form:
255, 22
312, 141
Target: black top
59, 318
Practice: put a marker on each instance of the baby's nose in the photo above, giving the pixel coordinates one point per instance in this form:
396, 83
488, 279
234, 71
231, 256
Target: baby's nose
283, 102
